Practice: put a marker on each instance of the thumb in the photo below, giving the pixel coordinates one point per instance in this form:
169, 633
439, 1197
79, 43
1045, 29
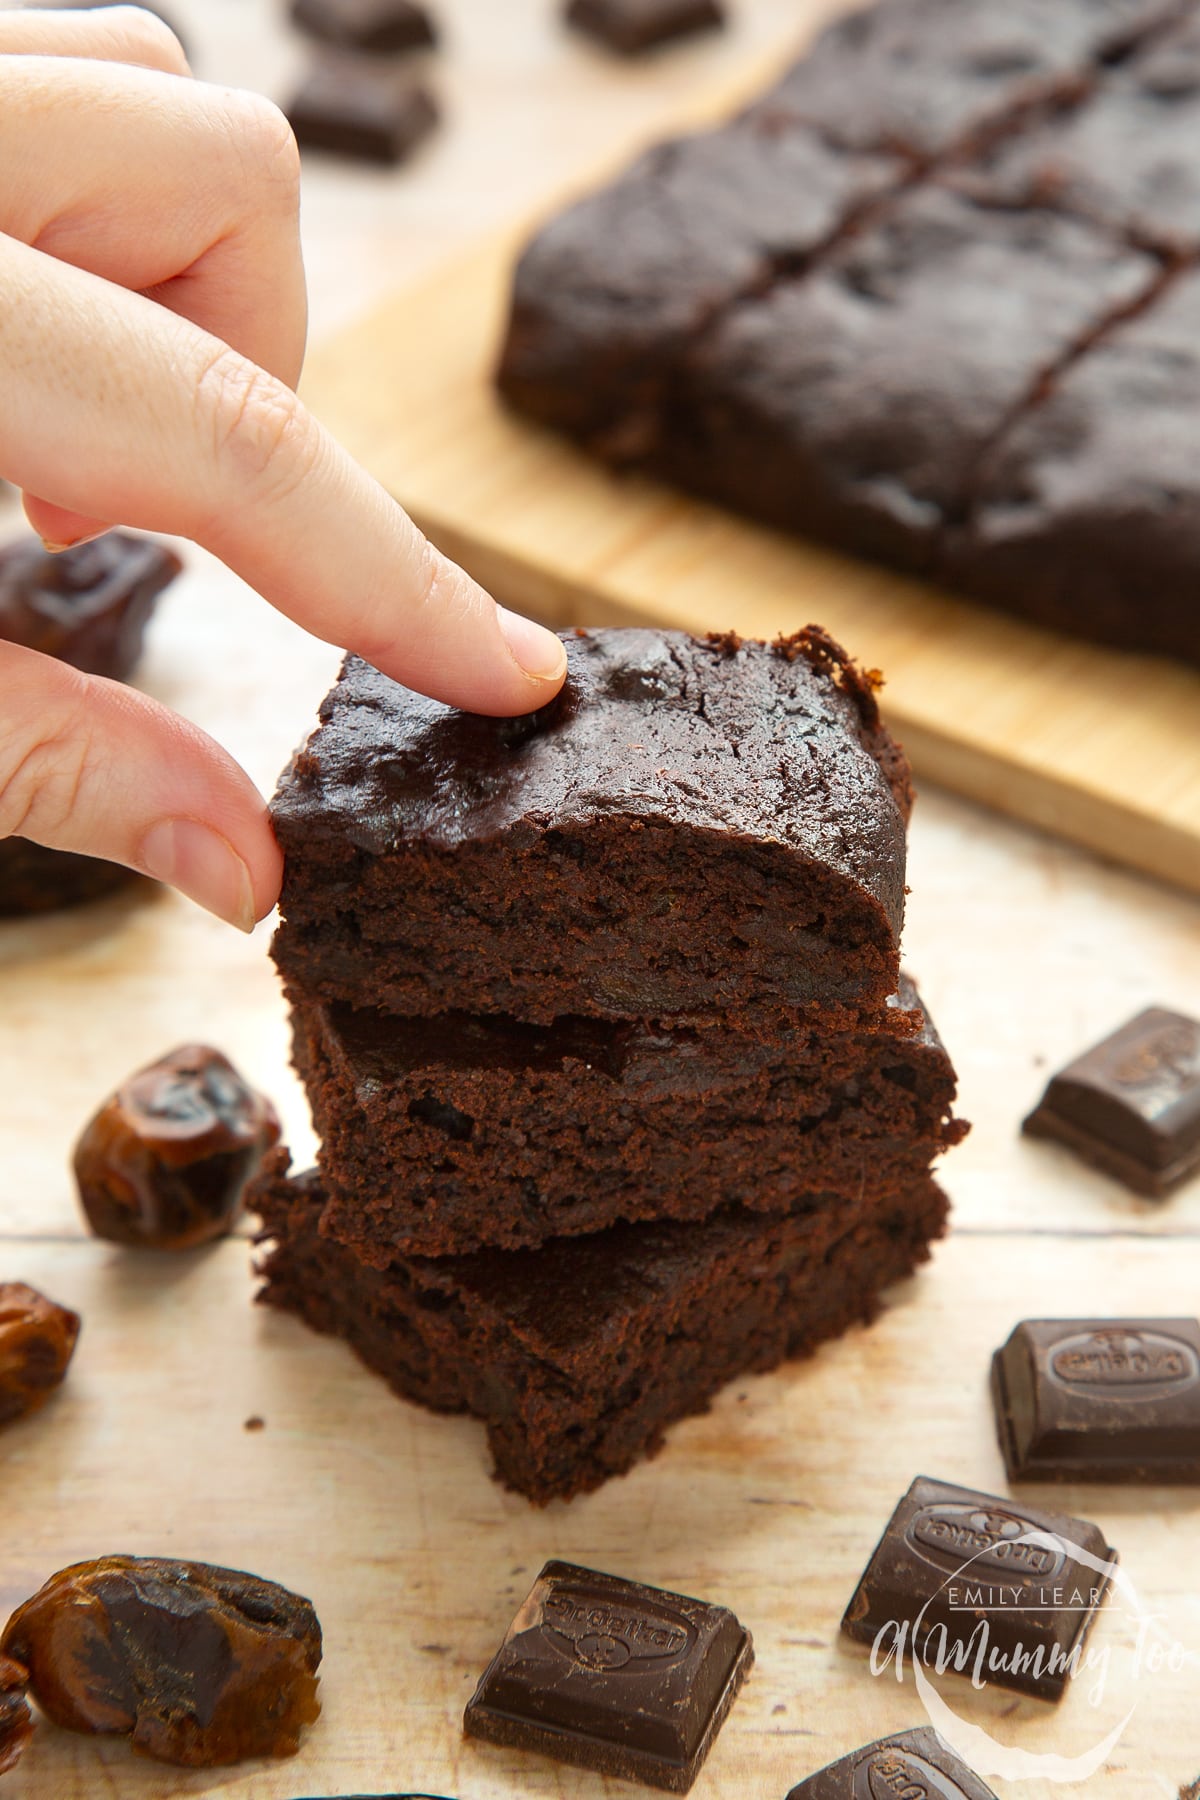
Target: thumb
95, 767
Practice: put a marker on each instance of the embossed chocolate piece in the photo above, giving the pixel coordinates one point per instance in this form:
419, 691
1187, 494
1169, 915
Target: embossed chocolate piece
624, 1679
631, 26
1130, 1105
980, 1586
384, 26
911, 1765
360, 109
1100, 1400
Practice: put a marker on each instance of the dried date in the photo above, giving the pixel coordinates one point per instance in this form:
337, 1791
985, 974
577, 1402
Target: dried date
37, 1341
197, 1665
16, 1725
164, 1162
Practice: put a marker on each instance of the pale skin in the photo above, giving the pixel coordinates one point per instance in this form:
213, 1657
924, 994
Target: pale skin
152, 327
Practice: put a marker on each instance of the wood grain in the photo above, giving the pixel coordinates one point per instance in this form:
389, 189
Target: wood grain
1026, 949
1100, 747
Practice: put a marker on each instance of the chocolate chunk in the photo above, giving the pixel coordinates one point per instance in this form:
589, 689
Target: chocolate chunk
16, 1725
383, 26
980, 1586
163, 1163
912, 1765
199, 1666
1130, 1105
37, 1342
362, 110
613, 1676
1100, 1400
87, 606
630, 26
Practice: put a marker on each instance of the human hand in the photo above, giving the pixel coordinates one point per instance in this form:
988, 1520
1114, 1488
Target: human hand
152, 323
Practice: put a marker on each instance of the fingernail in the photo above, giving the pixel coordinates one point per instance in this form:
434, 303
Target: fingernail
88, 537
536, 651
204, 866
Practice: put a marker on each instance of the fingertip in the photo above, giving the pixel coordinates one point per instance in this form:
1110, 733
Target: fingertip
538, 653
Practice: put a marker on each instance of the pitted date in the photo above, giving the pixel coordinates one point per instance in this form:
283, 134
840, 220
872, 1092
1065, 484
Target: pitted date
37, 1341
16, 1725
196, 1665
164, 1162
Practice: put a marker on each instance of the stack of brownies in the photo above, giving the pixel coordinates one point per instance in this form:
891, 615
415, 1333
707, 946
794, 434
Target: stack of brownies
599, 1011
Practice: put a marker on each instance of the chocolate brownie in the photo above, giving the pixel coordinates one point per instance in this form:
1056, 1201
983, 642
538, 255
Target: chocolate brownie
852, 406
353, 107
632, 26
87, 606
383, 26
577, 1356
442, 1134
927, 77
609, 293
1086, 513
1002, 190
693, 829
1127, 158
34, 879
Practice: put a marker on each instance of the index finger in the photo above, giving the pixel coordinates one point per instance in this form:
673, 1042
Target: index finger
118, 409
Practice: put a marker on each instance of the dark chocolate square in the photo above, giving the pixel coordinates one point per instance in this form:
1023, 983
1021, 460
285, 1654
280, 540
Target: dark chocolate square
1100, 1400
624, 1679
981, 1586
911, 1764
1131, 1104
381, 26
631, 26
361, 109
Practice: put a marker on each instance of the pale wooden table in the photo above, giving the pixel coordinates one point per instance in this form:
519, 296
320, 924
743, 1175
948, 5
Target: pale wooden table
384, 1514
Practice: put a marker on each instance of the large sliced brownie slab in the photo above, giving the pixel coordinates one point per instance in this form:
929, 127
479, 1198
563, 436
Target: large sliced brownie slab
442, 1134
607, 296
926, 76
852, 406
1087, 514
578, 1356
692, 828
1024, 182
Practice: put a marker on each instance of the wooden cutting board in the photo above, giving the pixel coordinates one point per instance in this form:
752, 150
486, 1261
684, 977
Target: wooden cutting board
1100, 747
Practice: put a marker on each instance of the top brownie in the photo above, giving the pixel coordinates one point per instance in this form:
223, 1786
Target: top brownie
693, 827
